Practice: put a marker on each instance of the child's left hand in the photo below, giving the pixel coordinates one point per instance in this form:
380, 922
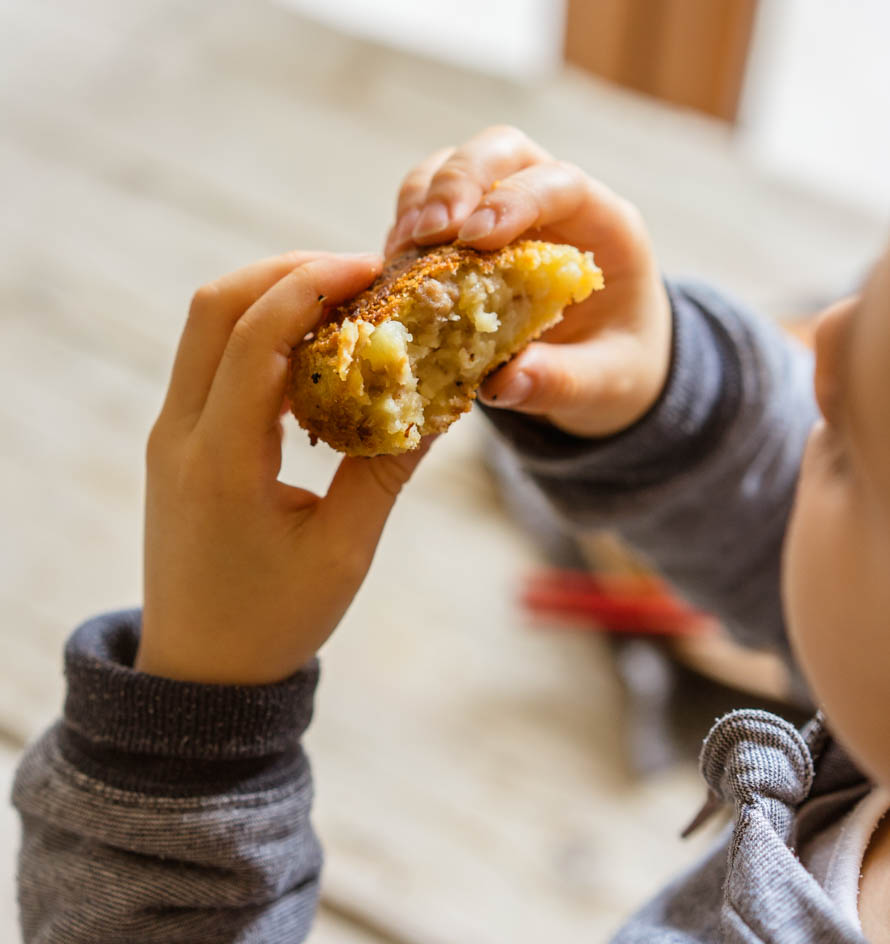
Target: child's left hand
605, 364
245, 577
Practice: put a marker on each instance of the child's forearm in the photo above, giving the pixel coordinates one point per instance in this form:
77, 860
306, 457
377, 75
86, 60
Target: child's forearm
167, 811
703, 484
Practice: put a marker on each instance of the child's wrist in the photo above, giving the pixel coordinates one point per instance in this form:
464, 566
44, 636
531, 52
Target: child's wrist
180, 655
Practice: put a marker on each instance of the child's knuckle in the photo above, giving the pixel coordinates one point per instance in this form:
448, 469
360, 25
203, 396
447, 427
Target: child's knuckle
202, 475
412, 191
348, 560
565, 388
453, 174
157, 445
508, 134
389, 475
242, 338
517, 191
194, 480
204, 301
357, 561
634, 221
619, 387
572, 171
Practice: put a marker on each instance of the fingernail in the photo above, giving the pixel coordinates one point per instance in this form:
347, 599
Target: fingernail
479, 224
513, 393
432, 220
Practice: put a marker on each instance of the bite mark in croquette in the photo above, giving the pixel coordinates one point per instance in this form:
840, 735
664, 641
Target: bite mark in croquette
404, 358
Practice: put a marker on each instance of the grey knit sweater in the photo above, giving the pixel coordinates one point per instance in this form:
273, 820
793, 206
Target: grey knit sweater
160, 811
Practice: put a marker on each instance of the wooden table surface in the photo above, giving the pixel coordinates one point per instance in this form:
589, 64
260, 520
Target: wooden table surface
470, 767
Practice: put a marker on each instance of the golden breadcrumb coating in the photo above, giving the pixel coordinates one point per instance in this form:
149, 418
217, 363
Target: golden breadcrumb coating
405, 357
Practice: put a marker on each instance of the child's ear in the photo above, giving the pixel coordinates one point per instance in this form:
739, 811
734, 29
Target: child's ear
830, 341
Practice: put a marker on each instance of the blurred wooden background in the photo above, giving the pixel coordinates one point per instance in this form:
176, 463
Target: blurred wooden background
471, 769
685, 52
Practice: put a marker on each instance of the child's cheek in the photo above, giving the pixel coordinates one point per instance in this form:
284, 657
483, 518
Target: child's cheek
836, 612
818, 574
797, 568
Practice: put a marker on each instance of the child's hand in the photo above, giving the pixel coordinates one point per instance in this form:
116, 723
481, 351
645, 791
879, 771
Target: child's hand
245, 577
605, 364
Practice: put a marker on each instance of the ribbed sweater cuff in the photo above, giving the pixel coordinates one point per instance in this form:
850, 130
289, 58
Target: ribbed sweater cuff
125, 725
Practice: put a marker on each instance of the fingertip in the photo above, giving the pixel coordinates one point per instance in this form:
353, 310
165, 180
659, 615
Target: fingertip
498, 222
399, 237
374, 259
364, 266
509, 388
441, 219
397, 248
478, 225
432, 221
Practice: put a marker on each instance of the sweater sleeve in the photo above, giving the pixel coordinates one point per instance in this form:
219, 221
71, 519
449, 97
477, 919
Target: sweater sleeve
703, 484
166, 811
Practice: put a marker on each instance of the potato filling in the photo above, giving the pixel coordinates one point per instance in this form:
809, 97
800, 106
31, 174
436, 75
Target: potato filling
410, 375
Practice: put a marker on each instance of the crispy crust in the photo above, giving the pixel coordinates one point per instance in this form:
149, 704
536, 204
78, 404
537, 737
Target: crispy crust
402, 277
317, 397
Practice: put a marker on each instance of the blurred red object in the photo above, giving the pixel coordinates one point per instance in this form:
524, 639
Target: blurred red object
619, 603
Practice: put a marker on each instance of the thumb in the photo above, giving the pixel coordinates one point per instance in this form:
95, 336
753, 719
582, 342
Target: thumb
364, 490
591, 388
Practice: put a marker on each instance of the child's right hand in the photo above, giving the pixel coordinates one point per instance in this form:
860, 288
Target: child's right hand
246, 576
605, 364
